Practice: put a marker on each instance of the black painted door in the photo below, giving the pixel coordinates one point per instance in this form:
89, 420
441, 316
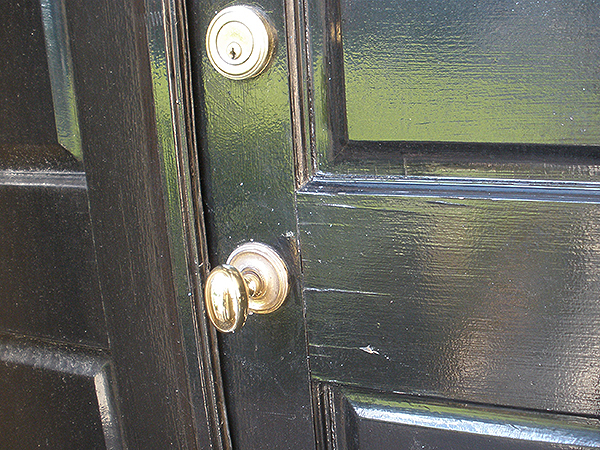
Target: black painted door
100, 346
55, 373
429, 170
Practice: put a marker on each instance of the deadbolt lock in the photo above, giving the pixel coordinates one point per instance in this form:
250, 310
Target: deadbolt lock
240, 42
255, 279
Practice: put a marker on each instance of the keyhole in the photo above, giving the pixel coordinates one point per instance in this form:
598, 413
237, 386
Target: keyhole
235, 51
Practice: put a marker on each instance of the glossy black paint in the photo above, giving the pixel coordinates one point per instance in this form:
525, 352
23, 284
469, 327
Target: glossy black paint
358, 419
440, 268
49, 380
45, 399
128, 214
47, 263
26, 100
56, 396
449, 285
372, 46
480, 300
248, 186
28, 137
93, 350
494, 285
471, 71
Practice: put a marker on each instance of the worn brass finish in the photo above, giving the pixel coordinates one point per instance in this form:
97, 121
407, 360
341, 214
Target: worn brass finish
240, 42
254, 279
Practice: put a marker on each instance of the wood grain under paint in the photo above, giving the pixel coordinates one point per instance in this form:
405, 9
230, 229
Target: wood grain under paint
472, 299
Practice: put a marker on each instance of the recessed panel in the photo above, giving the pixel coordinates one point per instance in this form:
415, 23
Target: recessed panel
380, 422
26, 101
471, 71
449, 295
55, 397
39, 126
48, 278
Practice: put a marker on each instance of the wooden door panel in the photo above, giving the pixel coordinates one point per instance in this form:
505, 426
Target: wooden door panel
470, 71
56, 397
376, 421
26, 100
430, 266
48, 270
485, 301
55, 381
433, 265
31, 128
93, 348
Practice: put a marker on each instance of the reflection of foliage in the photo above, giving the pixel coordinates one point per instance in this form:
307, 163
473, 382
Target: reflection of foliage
521, 290
473, 72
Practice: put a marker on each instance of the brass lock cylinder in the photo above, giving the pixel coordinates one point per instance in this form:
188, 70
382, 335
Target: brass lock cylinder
240, 42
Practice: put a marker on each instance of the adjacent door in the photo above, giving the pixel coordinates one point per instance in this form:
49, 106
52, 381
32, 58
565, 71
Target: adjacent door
100, 346
429, 171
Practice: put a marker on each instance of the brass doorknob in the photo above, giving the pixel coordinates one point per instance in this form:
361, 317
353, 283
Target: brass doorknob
254, 279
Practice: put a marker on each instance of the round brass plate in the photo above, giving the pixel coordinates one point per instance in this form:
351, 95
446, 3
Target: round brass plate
260, 262
240, 42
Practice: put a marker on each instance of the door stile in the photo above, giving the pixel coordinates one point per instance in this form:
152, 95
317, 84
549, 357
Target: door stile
248, 175
168, 47
144, 237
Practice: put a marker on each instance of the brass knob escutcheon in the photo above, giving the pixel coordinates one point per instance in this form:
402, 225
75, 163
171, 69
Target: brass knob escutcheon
255, 279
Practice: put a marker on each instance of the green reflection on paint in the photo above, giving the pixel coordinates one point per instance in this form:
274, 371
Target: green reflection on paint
483, 71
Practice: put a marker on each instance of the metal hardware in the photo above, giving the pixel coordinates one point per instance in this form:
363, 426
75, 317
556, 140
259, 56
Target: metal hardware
240, 42
254, 279
226, 295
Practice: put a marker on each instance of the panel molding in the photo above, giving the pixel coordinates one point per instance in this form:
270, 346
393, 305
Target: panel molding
49, 179
62, 83
350, 415
85, 362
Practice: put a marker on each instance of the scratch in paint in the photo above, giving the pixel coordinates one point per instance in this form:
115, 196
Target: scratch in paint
369, 349
337, 205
